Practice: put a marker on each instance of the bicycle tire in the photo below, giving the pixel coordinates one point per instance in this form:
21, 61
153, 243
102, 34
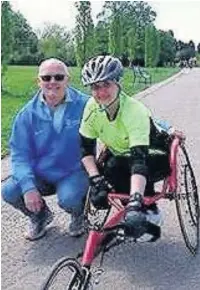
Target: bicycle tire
187, 201
75, 279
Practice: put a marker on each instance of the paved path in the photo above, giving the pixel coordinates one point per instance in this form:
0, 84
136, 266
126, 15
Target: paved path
160, 266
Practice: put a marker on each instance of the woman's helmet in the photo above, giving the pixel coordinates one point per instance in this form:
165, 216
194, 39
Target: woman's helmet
101, 68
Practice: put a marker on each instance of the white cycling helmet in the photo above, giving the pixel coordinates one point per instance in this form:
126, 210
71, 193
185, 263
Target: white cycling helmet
101, 68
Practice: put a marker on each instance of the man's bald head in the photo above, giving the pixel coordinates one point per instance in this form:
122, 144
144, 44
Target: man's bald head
55, 63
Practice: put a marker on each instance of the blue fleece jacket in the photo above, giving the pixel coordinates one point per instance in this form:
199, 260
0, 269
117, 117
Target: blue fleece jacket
38, 149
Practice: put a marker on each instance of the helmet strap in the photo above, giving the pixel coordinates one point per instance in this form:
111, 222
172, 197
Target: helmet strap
112, 108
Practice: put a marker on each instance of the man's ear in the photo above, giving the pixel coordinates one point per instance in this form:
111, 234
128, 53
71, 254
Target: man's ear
67, 81
38, 81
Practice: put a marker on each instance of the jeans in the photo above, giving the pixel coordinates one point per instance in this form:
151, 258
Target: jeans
70, 191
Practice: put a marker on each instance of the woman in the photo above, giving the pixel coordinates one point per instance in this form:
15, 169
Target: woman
125, 126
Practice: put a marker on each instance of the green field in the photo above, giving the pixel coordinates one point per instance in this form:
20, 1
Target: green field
21, 83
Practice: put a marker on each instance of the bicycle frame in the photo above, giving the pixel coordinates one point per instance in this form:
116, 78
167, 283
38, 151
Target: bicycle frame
114, 232
169, 186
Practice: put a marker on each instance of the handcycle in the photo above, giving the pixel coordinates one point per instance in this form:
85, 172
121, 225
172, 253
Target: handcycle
105, 230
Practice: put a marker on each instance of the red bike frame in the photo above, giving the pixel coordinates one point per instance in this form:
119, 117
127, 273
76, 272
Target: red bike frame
169, 186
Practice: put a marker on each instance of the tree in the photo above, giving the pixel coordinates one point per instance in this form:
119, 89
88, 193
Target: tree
126, 22
152, 46
101, 37
6, 37
167, 47
115, 42
84, 32
19, 41
133, 42
25, 46
112, 16
198, 48
185, 50
56, 41
191, 45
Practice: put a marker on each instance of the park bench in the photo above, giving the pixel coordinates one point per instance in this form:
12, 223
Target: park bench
142, 75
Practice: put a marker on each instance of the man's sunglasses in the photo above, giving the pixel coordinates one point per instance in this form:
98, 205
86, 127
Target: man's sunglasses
58, 78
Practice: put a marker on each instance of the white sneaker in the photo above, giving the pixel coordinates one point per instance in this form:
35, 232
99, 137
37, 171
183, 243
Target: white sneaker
145, 238
155, 218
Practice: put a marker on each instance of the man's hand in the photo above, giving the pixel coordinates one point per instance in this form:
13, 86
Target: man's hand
33, 201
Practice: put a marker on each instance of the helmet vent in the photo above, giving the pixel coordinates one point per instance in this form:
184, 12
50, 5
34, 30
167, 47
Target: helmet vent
99, 71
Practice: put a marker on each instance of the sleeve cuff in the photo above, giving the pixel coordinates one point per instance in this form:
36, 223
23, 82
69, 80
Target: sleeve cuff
27, 185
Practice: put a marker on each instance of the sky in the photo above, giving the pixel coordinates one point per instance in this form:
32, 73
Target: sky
181, 16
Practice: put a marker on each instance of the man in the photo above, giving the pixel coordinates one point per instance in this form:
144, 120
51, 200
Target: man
45, 152
125, 126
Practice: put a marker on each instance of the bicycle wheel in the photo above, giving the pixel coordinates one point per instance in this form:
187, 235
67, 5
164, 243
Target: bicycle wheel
66, 274
187, 202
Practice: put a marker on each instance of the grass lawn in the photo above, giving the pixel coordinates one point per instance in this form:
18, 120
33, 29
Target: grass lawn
21, 83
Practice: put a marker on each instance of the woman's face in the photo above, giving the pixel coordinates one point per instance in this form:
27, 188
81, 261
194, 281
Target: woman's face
104, 92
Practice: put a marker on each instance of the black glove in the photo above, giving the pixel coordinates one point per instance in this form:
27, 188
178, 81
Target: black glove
99, 191
135, 217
